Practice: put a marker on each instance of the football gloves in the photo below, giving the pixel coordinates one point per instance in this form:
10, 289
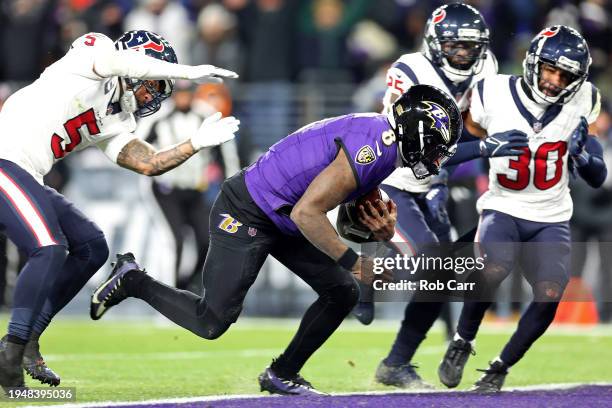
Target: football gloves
502, 144
207, 73
215, 131
437, 197
579, 155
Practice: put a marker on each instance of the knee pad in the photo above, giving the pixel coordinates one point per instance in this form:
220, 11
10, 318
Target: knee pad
486, 282
495, 274
212, 330
548, 291
95, 252
345, 295
210, 326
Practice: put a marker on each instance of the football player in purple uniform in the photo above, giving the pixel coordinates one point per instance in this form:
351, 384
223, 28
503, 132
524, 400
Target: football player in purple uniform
278, 207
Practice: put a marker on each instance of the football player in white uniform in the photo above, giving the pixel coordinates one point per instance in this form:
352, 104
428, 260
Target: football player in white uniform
455, 56
528, 200
89, 97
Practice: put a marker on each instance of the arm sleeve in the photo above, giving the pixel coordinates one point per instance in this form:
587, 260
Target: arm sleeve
465, 152
113, 146
595, 172
136, 64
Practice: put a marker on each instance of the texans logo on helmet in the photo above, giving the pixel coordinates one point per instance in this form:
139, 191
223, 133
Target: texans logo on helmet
143, 40
439, 118
439, 16
154, 46
550, 32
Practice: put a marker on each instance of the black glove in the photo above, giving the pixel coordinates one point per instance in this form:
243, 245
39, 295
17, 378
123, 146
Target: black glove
502, 144
437, 197
579, 155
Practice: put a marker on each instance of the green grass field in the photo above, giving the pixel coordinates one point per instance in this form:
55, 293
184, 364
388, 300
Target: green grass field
136, 361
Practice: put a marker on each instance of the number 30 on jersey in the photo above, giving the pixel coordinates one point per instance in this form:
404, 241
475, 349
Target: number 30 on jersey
540, 172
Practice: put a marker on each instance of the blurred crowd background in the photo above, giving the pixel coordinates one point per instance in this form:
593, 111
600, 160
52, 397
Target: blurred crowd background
299, 61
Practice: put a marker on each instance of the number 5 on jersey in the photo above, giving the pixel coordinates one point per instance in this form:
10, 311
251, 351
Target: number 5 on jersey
72, 127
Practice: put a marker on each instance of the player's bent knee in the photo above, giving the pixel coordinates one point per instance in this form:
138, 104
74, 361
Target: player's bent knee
212, 328
345, 295
214, 331
548, 291
99, 252
495, 275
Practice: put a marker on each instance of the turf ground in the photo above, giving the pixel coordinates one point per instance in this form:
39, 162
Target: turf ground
132, 361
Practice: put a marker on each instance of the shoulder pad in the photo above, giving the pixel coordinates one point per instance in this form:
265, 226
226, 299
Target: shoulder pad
92, 40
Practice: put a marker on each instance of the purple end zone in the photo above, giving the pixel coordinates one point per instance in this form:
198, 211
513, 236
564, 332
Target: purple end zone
591, 396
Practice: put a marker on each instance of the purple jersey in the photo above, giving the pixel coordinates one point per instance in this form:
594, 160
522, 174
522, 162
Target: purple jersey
281, 176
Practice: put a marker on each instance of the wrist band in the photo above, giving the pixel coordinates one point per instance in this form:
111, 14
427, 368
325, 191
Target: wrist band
348, 259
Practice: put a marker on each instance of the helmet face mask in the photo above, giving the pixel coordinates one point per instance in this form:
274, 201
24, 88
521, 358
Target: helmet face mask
427, 124
556, 47
428, 160
154, 46
464, 55
158, 94
457, 39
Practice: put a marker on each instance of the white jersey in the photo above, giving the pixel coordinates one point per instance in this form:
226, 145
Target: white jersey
67, 109
533, 186
415, 68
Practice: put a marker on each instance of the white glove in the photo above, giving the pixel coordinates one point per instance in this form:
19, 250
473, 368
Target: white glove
208, 73
215, 131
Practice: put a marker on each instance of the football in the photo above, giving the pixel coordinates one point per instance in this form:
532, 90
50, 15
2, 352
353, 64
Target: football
371, 196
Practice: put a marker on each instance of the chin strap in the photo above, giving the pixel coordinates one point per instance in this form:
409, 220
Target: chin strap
127, 100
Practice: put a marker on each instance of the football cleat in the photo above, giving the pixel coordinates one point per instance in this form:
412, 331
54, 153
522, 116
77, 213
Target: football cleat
492, 380
34, 364
112, 291
275, 384
364, 312
11, 373
403, 376
451, 367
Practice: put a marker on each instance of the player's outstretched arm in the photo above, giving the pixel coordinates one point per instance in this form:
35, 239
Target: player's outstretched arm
502, 144
143, 158
133, 64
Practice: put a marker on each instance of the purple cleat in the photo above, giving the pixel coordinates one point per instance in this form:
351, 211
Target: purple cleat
296, 385
111, 292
